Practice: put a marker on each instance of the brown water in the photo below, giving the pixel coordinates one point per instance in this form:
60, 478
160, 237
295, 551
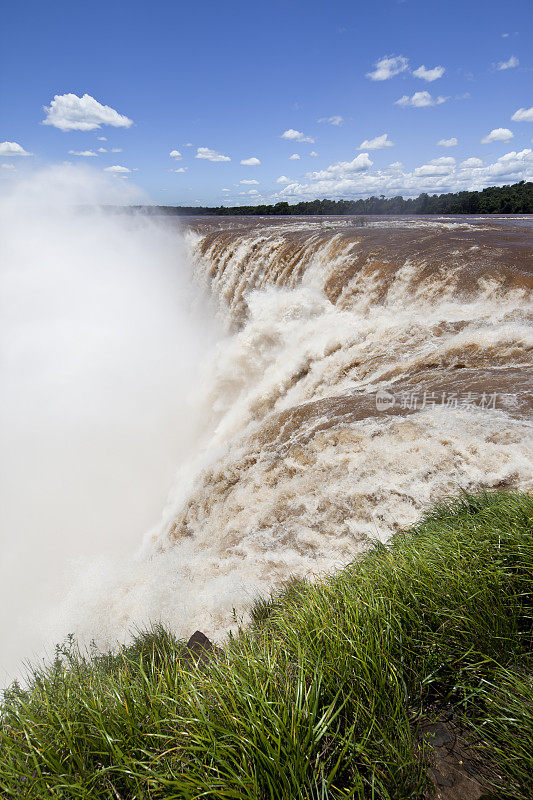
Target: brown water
368, 371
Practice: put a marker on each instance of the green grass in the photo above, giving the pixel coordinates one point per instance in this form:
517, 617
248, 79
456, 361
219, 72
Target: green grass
320, 697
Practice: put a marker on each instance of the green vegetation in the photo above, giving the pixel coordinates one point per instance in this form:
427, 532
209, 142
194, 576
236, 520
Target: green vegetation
322, 695
515, 199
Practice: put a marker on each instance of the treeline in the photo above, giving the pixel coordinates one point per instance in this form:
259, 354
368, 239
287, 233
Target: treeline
514, 199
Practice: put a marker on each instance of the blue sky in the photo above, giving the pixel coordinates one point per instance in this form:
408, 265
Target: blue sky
221, 82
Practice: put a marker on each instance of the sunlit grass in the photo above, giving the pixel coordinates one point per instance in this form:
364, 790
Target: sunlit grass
320, 697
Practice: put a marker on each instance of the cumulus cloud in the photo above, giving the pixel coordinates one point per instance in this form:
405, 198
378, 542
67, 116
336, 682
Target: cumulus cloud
523, 115
294, 157
437, 166
250, 182
180, 169
313, 154
509, 64
210, 155
102, 138
283, 179
175, 154
296, 136
420, 100
377, 143
116, 149
344, 168
250, 162
498, 135
9, 167
13, 149
68, 112
117, 169
387, 67
102, 150
336, 120
84, 152
452, 142
441, 175
429, 74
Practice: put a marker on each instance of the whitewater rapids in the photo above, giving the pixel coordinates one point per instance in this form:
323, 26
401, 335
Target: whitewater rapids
297, 469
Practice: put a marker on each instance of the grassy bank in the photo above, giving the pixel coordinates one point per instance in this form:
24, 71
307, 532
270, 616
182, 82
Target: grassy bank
323, 696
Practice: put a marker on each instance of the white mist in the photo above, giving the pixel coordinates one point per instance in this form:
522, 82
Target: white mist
101, 335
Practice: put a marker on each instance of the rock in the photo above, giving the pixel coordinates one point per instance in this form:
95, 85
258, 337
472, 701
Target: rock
454, 766
200, 646
437, 734
440, 780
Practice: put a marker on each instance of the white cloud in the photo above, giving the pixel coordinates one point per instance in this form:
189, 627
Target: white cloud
342, 181
250, 182
296, 136
117, 169
509, 64
313, 154
102, 150
82, 153
523, 115
359, 163
210, 155
102, 138
175, 154
294, 157
448, 142
472, 163
513, 165
498, 135
116, 149
336, 120
68, 112
420, 100
377, 143
429, 75
226, 190
180, 169
387, 67
283, 179
250, 162
437, 166
9, 167
13, 149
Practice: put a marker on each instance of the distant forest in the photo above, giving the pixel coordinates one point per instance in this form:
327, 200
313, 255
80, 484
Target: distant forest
515, 199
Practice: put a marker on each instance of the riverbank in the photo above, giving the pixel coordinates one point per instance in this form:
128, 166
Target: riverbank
405, 674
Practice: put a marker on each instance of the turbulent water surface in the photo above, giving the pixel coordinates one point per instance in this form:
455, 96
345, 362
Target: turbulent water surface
368, 371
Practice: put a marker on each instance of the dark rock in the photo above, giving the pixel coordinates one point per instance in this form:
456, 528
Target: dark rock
454, 766
440, 780
201, 647
437, 735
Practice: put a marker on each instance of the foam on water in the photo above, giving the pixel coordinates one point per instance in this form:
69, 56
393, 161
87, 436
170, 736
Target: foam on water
297, 470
